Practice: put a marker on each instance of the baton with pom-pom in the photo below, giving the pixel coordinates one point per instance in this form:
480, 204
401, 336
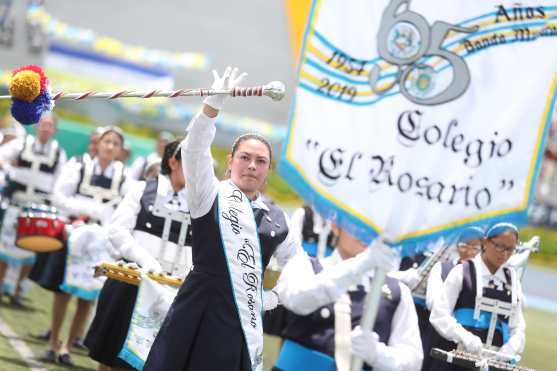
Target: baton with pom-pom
31, 94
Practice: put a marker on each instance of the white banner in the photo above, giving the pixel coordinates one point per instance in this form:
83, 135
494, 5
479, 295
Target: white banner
152, 304
87, 247
418, 118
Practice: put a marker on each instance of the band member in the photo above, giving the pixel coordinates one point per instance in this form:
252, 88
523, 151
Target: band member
312, 229
138, 169
138, 234
215, 320
468, 245
83, 188
32, 164
478, 289
42, 258
323, 334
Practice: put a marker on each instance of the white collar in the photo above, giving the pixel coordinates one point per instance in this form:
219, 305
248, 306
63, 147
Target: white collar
108, 172
165, 190
484, 270
333, 259
38, 146
259, 204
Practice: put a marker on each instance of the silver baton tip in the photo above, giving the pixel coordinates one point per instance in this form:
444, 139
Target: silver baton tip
275, 90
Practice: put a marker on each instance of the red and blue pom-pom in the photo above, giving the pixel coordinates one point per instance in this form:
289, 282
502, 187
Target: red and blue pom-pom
30, 93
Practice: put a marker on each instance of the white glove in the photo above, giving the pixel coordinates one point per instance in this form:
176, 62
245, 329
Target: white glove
138, 255
471, 343
270, 300
228, 80
379, 255
364, 345
508, 349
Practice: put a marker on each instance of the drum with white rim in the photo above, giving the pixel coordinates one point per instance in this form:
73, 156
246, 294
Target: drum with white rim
40, 228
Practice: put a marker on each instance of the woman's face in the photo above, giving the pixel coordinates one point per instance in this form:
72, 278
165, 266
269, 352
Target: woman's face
469, 249
498, 249
348, 246
249, 166
109, 146
46, 128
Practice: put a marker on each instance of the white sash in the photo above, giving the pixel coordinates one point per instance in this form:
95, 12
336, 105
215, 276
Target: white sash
88, 246
152, 304
243, 256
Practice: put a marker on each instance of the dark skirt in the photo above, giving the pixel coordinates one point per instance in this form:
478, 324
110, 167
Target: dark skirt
202, 330
109, 328
49, 268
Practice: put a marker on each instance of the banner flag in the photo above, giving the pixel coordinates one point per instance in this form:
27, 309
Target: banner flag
88, 246
416, 119
152, 304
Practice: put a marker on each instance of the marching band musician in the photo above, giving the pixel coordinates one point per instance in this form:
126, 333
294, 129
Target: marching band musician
322, 328
32, 163
42, 257
469, 245
138, 234
215, 320
318, 238
472, 290
138, 169
84, 186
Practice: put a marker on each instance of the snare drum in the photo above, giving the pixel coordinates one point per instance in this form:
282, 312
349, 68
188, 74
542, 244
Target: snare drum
40, 228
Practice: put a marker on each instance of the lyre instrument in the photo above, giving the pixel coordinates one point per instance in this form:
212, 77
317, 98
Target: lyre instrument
130, 273
442, 253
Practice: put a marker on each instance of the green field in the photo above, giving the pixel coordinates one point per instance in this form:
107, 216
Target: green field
541, 336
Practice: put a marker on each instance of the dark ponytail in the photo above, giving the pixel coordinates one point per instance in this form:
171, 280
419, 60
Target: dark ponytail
171, 150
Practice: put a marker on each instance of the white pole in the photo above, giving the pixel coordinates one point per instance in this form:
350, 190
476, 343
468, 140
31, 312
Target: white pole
322, 238
371, 307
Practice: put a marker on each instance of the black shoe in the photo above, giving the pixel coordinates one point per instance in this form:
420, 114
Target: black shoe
79, 344
65, 359
49, 356
16, 302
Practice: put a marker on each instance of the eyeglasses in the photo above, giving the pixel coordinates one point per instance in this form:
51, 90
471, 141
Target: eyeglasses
473, 247
503, 248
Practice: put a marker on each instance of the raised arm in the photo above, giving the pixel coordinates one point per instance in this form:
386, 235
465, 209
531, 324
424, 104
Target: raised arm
197, 160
